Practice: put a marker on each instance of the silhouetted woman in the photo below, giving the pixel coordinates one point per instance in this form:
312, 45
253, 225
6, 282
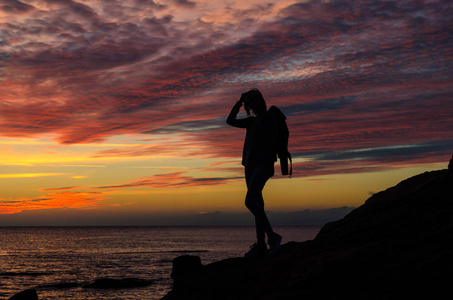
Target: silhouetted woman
258, 160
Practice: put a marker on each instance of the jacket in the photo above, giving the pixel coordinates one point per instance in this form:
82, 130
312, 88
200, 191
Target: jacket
257, 150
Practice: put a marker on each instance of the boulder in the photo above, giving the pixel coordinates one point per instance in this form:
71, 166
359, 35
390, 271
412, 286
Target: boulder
183, 265
29, 294
60, 285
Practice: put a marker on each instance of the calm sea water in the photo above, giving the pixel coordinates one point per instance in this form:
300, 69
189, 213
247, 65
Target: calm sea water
46, 257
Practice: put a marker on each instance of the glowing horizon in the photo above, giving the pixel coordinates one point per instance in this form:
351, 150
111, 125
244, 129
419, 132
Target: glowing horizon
121, 106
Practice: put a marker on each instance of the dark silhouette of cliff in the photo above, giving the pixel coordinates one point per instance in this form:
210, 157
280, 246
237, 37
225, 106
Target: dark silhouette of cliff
398, 245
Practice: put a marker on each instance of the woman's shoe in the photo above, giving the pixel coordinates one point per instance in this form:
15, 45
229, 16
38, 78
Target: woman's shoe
257, 250
274, 243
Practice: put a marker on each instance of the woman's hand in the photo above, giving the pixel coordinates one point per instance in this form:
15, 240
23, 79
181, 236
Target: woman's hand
242, 98
240, 101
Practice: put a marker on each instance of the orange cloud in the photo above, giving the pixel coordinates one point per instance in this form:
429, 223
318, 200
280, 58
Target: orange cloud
60, 188
74, 200
28, 175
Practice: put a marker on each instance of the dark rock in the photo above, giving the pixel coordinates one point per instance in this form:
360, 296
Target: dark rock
183, 265
29, 294
398, 245
109, 283
450, 164
66, 285
61, 285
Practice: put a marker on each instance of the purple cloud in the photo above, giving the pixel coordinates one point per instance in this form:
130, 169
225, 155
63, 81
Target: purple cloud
350, 75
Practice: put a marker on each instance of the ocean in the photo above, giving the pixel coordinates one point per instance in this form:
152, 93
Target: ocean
60, 261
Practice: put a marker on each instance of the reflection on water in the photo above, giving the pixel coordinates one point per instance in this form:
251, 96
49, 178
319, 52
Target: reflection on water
59, 261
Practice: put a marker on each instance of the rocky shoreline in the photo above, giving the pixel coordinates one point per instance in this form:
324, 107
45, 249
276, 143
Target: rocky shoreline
396, 246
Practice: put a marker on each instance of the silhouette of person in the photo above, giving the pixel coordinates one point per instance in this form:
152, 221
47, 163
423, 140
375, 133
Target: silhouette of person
258, 159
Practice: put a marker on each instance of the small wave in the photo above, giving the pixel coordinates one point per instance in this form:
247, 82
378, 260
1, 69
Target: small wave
186, 251
158, 251
164, 261
24, 274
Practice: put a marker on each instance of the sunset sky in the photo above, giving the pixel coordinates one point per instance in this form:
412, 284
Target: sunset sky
113, 112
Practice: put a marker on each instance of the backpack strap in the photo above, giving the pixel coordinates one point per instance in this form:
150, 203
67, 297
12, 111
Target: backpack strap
286, 170
290, 165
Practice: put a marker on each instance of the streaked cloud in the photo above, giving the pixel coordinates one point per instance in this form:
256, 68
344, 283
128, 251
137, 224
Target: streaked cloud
173, 180
64, 200
366, 86
29, 175
131, 67
61, 188
14, 6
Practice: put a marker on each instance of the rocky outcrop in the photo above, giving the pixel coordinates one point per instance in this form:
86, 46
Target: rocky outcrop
29, 294
397, 245
183, 265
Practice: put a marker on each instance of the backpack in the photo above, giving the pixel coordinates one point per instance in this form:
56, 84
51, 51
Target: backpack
279, 139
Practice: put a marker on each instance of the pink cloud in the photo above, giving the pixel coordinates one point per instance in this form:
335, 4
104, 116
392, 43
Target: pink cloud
173, 180
86, 72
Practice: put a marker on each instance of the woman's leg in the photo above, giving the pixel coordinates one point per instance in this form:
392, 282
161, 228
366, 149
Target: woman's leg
256, 178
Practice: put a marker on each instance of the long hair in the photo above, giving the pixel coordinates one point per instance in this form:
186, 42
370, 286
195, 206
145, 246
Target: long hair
253, 100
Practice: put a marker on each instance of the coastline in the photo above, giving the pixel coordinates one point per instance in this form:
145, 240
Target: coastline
397, 245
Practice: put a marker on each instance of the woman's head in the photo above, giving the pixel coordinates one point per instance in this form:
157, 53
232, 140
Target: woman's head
254, 101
